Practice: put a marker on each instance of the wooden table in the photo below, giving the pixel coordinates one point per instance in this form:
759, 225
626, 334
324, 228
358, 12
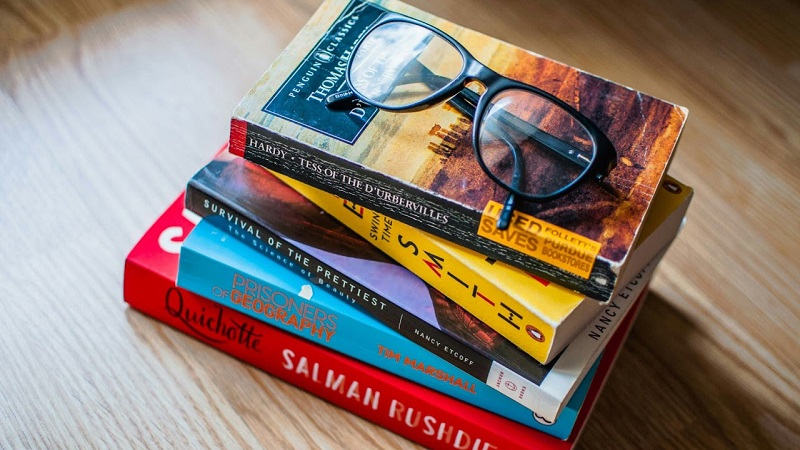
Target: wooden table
108, 107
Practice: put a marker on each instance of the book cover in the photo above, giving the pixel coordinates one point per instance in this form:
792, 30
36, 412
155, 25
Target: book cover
420, 414
420, 167
537, 316
239, 271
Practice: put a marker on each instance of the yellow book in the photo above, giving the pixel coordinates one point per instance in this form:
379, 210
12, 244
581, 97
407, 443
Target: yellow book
538, 316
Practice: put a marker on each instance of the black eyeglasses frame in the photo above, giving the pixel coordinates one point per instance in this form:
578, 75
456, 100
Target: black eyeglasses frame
464, 99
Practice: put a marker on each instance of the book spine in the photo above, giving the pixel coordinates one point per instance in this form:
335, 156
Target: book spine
412, 411
416, 251
378, 306
209, 269
417, 208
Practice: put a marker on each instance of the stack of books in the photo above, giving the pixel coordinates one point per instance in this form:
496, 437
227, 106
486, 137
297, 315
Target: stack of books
360, 252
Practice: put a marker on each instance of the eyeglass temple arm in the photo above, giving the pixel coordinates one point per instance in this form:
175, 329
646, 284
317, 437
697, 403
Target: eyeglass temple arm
465, 101
504, 220
513, 122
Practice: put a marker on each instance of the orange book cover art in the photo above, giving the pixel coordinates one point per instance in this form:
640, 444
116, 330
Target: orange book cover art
420, 167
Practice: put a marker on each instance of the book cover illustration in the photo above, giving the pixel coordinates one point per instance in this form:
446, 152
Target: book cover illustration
537, 316
229, 270
420, 167
420, 414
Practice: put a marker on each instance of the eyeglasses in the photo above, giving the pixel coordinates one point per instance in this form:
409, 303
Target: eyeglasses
530, 142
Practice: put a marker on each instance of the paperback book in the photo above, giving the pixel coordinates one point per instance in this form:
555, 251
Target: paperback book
237, 271
250, 203
420, 168
420, 414
537, 316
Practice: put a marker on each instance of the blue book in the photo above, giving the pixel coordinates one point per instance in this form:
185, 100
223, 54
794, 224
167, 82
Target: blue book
240, 272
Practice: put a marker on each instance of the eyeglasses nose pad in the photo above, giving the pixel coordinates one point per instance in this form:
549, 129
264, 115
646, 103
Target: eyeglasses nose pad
508, 210
340, 101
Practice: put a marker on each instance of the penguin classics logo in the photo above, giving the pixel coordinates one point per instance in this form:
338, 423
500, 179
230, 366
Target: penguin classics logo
323, 56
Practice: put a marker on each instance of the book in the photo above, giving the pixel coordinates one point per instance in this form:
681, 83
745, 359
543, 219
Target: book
249, 201
420, 167
420, 414
537, 316
241, 272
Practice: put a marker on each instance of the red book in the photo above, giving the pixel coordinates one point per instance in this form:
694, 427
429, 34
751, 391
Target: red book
412, 411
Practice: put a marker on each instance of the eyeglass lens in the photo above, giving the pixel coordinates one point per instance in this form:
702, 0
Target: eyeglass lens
399, 64
531, 144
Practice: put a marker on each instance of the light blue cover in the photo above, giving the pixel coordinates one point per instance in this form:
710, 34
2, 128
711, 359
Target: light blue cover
212, 260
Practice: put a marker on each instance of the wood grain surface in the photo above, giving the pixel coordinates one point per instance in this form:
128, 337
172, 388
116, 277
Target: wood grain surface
107, 107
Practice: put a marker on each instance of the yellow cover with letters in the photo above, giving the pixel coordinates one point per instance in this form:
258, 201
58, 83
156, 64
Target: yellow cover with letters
538, 316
